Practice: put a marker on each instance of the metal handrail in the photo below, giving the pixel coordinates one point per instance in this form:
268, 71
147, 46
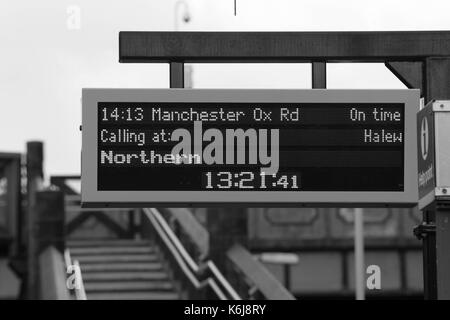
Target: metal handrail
180, 248
264, 281
52, 276
185, 220
176, 254
67, 258
221, 279
209, 264
188, 266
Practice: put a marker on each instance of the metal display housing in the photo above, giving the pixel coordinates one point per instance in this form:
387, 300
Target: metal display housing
91, 197
440, 113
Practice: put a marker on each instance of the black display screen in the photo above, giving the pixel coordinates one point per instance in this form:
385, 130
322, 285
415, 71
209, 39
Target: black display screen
250, 146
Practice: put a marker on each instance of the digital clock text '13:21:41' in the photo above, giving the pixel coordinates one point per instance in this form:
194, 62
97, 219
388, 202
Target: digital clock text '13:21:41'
250, 180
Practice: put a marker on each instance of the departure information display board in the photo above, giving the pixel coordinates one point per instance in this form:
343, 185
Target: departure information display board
284, 147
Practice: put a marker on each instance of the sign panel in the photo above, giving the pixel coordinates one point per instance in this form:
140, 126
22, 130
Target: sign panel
256, 147
433, 130
426, 153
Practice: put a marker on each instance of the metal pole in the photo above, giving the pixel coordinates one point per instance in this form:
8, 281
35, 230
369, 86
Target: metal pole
176, 78
359, 254
187, 70
429, 256
442, 250
34, 182
319, 75
437, 72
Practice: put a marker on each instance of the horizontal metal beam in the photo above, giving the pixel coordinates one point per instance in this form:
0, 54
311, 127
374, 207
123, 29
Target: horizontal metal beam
281, 46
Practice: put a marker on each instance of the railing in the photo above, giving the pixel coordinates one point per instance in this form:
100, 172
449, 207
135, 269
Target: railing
52, 278
249, 272
189, 230
186, 267
184, 242
10, 201
263, 281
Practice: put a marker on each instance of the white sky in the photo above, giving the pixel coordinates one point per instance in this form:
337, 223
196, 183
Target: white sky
44, 65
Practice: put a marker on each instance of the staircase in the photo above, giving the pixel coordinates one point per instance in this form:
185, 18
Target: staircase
122, 269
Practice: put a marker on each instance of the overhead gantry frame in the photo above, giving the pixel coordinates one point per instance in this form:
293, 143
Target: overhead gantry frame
421, 60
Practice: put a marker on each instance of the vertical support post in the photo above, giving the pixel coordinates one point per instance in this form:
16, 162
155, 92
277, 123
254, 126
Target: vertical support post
437, 71
225, 225
359, 254
319, 75
13, 177
429, 258
34, 181
50, 220
132, 224
287, 276
176, 74
437, 256
418, 75
443, 251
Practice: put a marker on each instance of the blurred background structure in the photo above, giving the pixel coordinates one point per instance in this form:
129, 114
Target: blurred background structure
271, 253
176, 253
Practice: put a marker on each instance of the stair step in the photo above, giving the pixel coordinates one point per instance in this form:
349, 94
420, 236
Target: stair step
123, 276
106, 267
108, 243
133, 296
116, 258
111, 250
128, 286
